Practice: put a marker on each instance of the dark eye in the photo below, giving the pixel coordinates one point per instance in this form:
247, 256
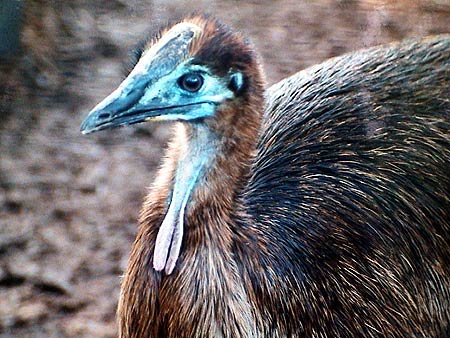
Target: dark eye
191, 82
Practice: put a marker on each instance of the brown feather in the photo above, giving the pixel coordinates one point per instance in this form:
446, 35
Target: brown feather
233, 278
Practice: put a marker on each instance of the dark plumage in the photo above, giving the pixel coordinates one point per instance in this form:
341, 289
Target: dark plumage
319, 210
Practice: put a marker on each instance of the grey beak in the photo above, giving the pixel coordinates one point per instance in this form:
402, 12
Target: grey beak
121, 107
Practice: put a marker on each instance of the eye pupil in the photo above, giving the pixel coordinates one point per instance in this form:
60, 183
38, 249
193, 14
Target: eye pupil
191, 82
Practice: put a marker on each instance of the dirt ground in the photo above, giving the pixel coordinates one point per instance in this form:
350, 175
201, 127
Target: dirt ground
69, 203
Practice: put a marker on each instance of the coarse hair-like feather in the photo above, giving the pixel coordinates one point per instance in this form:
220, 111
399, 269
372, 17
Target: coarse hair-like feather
326, 211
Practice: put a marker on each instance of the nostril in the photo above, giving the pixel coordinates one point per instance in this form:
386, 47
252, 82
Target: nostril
104, 116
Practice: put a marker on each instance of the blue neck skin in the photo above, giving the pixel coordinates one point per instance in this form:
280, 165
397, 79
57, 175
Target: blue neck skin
200, 147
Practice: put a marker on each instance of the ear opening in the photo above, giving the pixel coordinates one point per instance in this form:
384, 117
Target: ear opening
236, 82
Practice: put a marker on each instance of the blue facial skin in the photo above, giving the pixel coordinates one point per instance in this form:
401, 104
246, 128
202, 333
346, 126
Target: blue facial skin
152, 90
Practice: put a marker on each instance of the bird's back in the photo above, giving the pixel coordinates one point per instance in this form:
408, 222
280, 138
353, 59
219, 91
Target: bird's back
349, 195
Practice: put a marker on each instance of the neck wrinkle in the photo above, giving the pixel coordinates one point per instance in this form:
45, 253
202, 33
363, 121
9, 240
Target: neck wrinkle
193, 161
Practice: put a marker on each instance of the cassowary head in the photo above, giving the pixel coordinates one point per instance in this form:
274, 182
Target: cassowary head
187, 73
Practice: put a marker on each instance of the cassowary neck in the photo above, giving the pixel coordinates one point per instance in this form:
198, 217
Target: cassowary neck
206, 166
194, 157
209, 163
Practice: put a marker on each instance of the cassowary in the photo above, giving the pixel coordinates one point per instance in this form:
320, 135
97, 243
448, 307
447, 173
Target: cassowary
319, 207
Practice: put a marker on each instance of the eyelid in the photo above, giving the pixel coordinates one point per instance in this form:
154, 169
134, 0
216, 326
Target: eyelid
198, 69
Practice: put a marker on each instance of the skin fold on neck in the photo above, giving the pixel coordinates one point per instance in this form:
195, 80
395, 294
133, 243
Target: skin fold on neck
196, 156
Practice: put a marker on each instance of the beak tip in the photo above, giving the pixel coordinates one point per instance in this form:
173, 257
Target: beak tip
86, 127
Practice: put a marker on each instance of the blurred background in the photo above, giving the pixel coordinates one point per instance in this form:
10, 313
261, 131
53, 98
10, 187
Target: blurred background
69, 203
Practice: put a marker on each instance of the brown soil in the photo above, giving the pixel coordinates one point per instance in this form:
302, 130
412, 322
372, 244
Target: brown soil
69, 203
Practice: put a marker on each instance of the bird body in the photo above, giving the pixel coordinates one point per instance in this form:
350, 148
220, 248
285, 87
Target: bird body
317, 208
